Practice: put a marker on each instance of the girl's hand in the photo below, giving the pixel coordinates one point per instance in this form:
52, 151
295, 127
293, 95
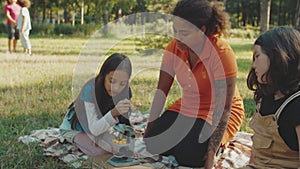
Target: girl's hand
122, 107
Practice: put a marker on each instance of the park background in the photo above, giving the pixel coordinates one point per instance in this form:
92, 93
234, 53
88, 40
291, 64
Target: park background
36, 91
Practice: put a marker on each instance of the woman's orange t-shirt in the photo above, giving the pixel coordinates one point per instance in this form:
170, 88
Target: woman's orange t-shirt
216, 62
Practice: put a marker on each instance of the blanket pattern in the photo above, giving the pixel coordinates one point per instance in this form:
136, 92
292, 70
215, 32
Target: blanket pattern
237, 153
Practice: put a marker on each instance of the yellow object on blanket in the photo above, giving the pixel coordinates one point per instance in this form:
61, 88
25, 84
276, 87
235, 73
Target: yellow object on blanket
121, 141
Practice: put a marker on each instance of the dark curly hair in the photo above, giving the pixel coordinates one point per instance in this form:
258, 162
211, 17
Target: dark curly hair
202, 12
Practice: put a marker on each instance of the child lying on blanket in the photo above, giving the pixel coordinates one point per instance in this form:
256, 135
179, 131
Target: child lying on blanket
103, 102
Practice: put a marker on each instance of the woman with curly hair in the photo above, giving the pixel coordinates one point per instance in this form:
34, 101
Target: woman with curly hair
195, 127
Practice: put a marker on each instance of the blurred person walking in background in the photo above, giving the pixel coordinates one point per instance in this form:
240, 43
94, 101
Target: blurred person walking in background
24, 25
12, 11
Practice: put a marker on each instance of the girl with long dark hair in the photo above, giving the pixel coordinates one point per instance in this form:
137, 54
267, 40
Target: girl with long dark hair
103, 102
275, 79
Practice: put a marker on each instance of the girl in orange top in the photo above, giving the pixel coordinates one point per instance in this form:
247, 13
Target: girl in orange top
192, 128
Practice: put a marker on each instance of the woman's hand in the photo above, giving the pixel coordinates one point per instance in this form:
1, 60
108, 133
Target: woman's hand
122, 107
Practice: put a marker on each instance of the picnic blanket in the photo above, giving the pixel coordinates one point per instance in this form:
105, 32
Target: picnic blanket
237, 153
55, 146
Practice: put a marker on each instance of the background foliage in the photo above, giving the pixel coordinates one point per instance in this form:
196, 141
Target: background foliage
96, 13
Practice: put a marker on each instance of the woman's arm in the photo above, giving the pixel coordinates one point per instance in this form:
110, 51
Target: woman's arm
220, 116
298, 134
164, 84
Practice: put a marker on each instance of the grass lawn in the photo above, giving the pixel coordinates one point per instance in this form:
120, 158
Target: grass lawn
36, 91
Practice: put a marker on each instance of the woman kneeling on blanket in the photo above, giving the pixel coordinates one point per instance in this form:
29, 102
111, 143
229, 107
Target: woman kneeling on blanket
102, 103
274, 78
210, 110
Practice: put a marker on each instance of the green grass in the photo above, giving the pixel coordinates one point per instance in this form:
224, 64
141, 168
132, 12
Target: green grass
35, 91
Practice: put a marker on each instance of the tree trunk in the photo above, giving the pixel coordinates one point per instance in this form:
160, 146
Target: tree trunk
73, 19
82, 12
244, 14
44, 11
33, 15
58, 17
105, 20
279, 12
297, 16
99, 13
66, 15
51, 17
265, 15
258, 17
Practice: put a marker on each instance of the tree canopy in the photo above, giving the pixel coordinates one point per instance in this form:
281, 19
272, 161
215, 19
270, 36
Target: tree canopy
243, 12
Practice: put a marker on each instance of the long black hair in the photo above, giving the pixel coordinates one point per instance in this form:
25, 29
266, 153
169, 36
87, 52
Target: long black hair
282, 46
106, 102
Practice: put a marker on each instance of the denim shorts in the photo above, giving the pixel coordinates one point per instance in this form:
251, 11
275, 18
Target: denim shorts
12, 32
